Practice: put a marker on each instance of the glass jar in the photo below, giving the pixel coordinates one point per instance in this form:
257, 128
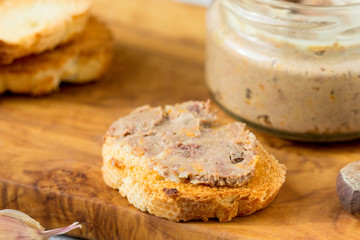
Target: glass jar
286, 68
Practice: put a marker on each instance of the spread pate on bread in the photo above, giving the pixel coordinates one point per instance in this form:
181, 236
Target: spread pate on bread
185, 145
177, 162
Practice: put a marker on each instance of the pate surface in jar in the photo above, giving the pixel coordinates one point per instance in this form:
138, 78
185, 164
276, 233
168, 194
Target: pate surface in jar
287, 68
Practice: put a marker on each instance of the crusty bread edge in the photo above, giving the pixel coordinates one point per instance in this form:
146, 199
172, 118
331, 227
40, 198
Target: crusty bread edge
144, 191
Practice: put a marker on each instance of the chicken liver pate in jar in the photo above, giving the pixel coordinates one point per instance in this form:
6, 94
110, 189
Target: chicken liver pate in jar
287, 68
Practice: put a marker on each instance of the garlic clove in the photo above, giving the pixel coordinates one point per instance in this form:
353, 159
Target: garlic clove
23, 217
17, 225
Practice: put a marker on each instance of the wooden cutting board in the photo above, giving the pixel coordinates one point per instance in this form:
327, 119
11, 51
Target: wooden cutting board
50, 147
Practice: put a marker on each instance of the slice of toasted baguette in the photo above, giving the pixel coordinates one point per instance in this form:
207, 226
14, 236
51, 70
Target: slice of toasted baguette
148, 191
33, 26
82, 60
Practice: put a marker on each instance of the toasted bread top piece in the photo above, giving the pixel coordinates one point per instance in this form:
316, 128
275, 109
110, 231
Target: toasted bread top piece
33, 26
183, 144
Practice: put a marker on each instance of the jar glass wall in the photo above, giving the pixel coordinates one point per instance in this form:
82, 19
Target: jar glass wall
285, 68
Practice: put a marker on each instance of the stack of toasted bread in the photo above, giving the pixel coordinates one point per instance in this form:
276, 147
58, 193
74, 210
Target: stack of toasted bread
45, 42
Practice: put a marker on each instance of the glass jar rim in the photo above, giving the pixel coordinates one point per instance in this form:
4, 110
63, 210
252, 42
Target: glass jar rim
300, 6
326, 24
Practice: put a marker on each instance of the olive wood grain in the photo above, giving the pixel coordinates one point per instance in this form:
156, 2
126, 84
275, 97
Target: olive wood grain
50, 147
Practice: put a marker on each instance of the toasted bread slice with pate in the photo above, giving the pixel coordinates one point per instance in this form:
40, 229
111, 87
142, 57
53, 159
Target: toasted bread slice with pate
82, 60
33, 26
178, 163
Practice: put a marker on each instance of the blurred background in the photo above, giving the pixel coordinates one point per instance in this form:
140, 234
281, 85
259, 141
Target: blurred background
196, 2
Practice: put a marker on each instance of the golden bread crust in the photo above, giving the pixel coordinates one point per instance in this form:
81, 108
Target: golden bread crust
84, 59
148, 191
50, 36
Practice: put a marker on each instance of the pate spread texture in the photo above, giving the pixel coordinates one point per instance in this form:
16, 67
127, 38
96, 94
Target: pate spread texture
185, 145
